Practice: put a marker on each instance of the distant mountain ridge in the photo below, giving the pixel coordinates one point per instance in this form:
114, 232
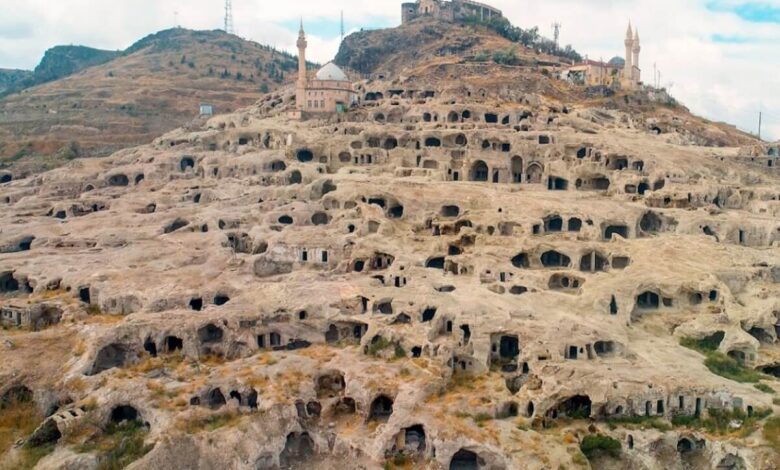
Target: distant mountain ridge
95, 102
12, 78
58, 62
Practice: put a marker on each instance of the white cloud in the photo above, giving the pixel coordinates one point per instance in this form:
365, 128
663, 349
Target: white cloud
720, 80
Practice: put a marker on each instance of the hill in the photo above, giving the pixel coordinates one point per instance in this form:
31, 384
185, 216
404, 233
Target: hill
476, 266
493, 59
57, 62
12, 79
154, 86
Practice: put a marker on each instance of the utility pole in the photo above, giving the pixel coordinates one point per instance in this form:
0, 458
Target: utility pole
655, 76
760, 115
229, 27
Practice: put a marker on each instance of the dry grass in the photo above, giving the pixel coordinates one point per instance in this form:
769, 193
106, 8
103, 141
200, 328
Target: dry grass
208, 423
76, 384
102, 319
772, 433
266, 359
80, 348
18, 419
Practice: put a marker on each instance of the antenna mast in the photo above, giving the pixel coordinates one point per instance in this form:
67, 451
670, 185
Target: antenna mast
342, 25
229, 27
556, 33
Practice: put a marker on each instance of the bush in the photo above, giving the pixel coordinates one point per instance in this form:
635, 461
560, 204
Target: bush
70, 151
704, 345
378, 346
718, 363
506, 56
765, 388
724, 366
594, 445
719, 421
482, 57
120, 445
399, 352
640, 422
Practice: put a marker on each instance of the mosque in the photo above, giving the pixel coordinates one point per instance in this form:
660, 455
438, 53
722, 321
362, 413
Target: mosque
624, 73
330, 91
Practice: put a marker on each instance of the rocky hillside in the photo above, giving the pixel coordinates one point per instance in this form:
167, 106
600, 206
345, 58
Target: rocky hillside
57, 62
476, 267
393, 51
62, 61
475, 55
13, 79
155, 85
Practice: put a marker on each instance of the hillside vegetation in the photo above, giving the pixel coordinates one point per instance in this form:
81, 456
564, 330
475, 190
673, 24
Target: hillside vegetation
156, 85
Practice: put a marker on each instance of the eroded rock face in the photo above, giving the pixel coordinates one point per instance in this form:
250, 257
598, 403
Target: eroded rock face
448, 266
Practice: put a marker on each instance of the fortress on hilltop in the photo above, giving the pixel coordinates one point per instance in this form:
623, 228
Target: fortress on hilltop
450, 11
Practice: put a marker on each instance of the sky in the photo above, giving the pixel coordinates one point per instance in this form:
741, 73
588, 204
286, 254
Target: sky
721, 58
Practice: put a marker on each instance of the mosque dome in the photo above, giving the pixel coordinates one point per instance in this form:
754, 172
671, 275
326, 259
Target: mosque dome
617, 62
331, 72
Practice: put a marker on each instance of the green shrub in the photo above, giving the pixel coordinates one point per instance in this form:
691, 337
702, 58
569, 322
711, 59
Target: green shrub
718, 363
704, 345
765, 388
70, 151
724, 366
594, 445
719, 421
120, 445
482, 57
378, 346
641, 422
506, 56
399, 352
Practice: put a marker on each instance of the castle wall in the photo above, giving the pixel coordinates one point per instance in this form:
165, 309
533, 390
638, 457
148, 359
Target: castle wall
447, 11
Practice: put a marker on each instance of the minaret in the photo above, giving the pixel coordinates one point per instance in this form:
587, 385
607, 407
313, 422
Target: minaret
300, 89
628, 70
635, 60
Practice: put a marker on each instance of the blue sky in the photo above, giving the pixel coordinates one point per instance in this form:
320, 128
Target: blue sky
754, 12
719, 57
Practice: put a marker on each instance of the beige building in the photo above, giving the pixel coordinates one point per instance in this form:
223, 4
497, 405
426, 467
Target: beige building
596, 73
330, 91
618, 72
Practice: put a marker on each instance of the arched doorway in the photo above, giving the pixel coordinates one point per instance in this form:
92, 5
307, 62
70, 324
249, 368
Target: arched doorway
479, 171
517, 169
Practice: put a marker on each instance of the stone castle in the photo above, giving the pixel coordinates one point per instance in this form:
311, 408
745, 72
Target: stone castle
448, 11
